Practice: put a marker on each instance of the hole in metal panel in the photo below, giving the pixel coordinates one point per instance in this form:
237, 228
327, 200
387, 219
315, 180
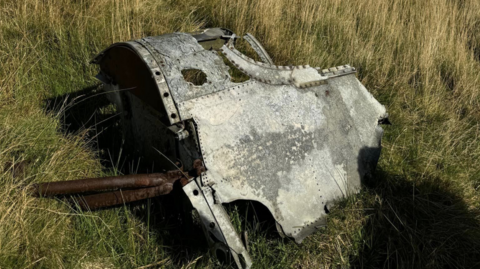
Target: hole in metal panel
194, 76
326, 209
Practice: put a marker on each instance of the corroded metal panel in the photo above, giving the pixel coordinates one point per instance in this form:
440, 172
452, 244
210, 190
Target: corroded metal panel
294, 150
294, 138
181, 51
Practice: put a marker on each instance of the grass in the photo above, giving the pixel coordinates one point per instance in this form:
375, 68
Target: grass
419, 58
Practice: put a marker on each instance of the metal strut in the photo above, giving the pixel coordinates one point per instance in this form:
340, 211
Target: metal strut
117, 190
258, 48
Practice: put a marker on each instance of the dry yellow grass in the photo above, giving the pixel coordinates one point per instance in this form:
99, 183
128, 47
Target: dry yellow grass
419, 58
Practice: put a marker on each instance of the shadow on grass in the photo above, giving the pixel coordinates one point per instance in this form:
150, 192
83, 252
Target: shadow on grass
418, 224
89, 111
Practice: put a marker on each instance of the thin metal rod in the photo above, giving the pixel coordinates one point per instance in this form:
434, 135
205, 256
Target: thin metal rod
118, 189
104, 184
106, 199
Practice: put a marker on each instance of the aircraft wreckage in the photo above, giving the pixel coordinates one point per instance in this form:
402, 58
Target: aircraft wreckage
294, 138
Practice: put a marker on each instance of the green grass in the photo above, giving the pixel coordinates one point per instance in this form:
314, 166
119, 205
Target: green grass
419, 58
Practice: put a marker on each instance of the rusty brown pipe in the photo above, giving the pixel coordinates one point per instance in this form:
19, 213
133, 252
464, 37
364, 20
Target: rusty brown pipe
120, 189
105, 183
95, 201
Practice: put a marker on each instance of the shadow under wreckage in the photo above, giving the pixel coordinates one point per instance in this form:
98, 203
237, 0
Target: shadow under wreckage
288, 137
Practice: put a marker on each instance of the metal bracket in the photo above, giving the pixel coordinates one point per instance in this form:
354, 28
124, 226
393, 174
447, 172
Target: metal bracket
258, 48
216, 222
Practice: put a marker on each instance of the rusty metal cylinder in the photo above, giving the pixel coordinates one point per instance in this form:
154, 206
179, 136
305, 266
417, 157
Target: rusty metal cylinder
101, 184
95, 201
118, 189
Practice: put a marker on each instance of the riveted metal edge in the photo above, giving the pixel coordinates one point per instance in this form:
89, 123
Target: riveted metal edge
333, 72
283, 76
146, 50
183, 107
258, 48
337, 71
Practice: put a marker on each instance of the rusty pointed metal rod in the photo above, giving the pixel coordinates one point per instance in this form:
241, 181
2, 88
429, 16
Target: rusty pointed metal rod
119, 189
96, 201
105, 183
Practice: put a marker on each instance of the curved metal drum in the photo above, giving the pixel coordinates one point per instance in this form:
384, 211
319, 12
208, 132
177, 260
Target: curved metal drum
292, 138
